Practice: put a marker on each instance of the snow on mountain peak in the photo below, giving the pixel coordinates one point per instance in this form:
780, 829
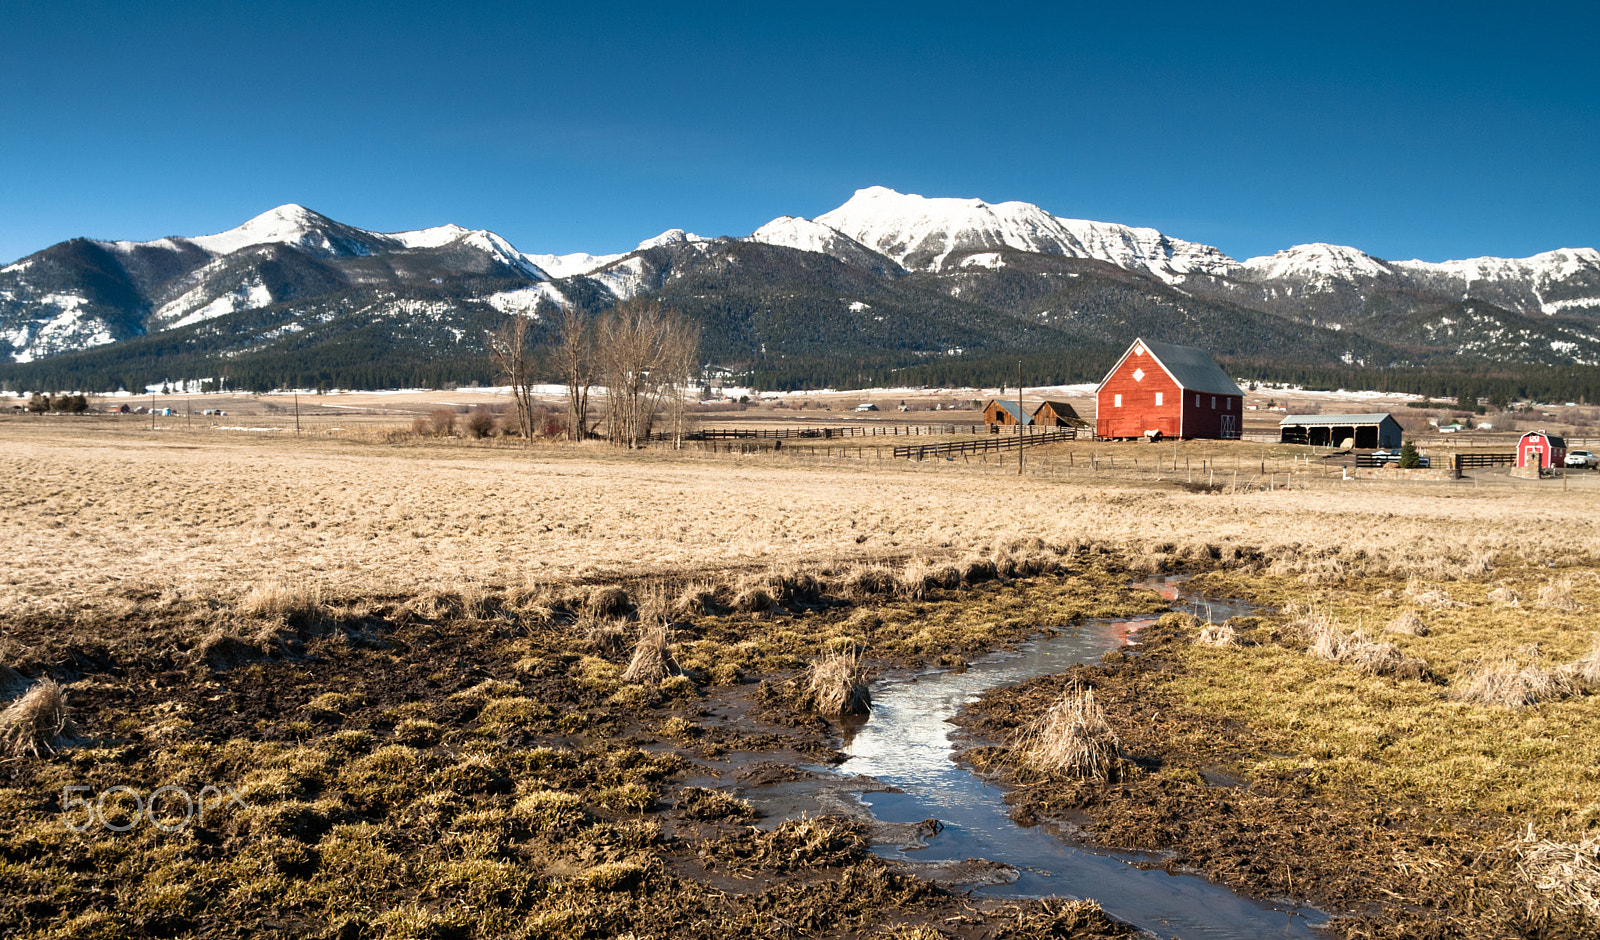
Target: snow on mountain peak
288, 224
1319, 262
672, 236
923, 232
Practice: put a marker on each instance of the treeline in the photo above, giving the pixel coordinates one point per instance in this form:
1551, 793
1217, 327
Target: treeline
1500, 383
1087, 363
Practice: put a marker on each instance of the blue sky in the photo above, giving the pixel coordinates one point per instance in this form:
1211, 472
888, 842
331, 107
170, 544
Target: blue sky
1404, 132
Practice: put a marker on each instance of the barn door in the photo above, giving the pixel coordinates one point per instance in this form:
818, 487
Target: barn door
1228, 432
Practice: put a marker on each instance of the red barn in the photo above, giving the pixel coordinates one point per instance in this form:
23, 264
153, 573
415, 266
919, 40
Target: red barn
1177, 391
1538, 449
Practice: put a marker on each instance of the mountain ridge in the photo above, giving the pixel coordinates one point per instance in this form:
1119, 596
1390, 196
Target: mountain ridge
967, 268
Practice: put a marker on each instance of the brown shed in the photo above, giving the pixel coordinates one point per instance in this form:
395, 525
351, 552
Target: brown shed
1057, 414
1001, 412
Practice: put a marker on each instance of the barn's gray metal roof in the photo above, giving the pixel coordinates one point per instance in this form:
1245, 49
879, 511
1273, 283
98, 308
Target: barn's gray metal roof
1193, 369
1341, 420
1011, 407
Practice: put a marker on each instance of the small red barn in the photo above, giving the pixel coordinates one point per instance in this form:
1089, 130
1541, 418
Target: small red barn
1177, 391
1541, 450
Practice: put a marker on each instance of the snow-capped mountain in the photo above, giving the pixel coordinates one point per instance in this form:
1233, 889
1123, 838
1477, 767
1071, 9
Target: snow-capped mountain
922, 233
883, 271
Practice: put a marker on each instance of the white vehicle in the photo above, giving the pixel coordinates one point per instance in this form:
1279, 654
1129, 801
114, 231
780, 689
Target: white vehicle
1582, 458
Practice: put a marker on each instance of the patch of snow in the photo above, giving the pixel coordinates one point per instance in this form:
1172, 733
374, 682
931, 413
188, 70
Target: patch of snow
858, 306
1319, 263
560, 266
436, 237
987, 259
247, 296
289, 224
672, 236
624, 279
16, 268
524, 301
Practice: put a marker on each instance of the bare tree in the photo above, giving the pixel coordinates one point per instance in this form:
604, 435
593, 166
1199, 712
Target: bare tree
575, 357
644, 352
510, 344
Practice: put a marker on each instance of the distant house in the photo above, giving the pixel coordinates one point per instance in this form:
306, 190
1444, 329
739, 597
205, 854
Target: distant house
1540, 450
1057, 414
1367, 432
1170, 391
1000, 413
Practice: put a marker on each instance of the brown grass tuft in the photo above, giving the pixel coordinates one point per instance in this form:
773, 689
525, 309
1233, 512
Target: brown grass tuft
837, 685
1567, 871
278, 601
1365, 655
1408, 623
608, 602
1073, 738
37, 722
1218, 634
651, 661
1585, 671
1424, 596
1557, 595
1506, 596
606, 638
1509, 682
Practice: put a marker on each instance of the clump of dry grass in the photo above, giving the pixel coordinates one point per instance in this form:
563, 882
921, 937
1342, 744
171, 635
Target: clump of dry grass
37, 722
1585, 671
1424, 596
1505, 595
1363, 654
864, 581
837, 685
1511, 682
279, 601
1073, 738
1407, 623
696, 598
609, 601
920, 577
605, 637
651, 661
753, 598
1557, 595
1568, 871
1218, 634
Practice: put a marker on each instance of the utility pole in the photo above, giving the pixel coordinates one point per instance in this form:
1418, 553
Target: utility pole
1020, 414
152, 411
296, 414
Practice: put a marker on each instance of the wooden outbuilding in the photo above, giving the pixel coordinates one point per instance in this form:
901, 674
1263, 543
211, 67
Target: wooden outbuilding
1000, 413
1057, 414
1158, 389
1367, 432
1542, 451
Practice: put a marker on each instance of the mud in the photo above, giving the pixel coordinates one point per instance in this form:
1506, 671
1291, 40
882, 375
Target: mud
1384, 868
455, 766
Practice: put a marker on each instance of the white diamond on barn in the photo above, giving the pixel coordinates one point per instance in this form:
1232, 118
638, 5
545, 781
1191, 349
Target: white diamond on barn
1138, 375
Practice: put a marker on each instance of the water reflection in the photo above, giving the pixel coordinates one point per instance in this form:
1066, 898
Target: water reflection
906, 744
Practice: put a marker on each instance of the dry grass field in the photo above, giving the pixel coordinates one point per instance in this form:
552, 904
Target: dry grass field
415, 660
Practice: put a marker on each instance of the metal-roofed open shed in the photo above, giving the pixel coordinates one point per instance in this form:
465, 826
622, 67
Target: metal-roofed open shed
1367, 432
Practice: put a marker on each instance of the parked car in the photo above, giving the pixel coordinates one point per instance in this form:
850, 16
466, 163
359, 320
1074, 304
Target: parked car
1582, 458
1385, 457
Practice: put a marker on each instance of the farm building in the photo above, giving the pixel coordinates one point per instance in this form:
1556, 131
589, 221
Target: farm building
1057, 414
1001, 412
1541, 450
1368, 432
1173, 391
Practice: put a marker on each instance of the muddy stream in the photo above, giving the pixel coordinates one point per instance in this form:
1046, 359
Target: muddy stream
900, 770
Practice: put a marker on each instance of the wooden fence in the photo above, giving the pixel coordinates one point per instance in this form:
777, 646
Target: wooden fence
1001, 442
829, 433
1472, 461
